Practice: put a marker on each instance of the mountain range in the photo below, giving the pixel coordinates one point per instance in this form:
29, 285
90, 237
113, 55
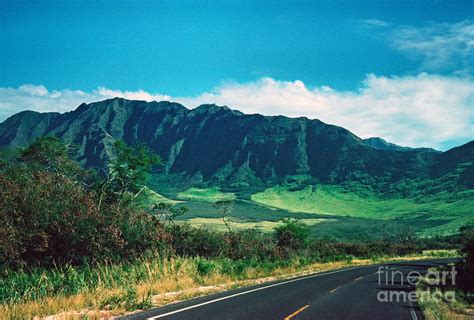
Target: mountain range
217, 145
299, 167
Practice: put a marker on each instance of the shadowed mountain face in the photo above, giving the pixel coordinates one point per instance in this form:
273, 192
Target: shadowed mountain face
381, 144
227, 147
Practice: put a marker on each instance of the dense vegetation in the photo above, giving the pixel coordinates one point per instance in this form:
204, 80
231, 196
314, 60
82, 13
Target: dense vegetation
66, 230
454, 298
467, 265
55, 212
214, 153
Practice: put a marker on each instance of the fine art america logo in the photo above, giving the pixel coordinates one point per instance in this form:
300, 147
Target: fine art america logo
395, 286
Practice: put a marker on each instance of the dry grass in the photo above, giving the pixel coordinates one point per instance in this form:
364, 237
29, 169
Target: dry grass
167, 282
436, 308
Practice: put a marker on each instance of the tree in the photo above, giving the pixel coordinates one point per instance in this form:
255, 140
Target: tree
166, 213
48, 215
226, 207
292, 234
51, 154
403, 235
127, 172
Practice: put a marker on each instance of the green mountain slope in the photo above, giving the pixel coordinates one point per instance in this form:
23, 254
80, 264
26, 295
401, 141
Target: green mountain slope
219, 145
227, 151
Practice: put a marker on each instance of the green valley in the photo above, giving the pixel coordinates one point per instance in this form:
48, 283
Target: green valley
343, 186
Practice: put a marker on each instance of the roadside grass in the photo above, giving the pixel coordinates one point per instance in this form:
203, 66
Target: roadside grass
113, 289
441, 253
435, 307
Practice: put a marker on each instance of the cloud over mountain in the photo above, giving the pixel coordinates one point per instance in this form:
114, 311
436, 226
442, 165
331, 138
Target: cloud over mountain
423, 110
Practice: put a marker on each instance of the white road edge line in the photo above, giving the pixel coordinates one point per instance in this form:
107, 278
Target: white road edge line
412, 311
250, 291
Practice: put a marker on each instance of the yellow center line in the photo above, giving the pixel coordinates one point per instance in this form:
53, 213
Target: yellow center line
296, 312
333, 290
358, 278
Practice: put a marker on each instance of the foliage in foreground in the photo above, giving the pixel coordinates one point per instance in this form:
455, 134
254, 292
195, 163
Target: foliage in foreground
53, 212
462, 288
66, 231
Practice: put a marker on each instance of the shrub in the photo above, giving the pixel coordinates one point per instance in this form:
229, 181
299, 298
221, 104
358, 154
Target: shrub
192, 242
204, 267
47, 216
292, 235
251, 244
467, 265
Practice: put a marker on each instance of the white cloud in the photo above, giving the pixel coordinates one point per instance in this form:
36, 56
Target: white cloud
132, 95
375, 22
39, 98
423, 110
438, 46
34, 90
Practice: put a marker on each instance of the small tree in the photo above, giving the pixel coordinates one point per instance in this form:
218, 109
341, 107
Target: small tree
225, 206
404, 235
127, 172
51, 154
292, 234
165, 212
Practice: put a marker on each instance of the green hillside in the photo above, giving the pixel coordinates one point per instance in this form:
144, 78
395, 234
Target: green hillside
205, 195
337, 201
274, 167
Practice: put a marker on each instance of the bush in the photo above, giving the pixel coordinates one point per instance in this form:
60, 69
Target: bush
325, 250
292, 235
200, 242
466, 268
187, 241
47, 216
204, 267
251, 244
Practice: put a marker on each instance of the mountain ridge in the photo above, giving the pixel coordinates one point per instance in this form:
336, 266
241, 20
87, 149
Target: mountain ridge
218, 145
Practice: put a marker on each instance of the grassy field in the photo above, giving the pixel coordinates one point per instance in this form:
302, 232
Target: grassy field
437, 216
340, 214
149, 197
253, 215
263, 225
205, 195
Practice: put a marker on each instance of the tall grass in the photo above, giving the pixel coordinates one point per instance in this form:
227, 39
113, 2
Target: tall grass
125, 286
111, 289
36, 283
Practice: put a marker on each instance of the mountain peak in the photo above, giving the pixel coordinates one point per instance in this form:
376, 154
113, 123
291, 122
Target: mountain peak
211, 107
382, 144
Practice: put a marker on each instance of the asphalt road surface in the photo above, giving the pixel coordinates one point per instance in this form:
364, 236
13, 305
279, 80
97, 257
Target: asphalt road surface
352, 293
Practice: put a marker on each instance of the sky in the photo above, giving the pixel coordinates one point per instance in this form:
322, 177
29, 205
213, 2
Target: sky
402, 71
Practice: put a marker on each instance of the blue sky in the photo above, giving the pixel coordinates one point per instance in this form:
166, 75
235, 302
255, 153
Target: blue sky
192, 51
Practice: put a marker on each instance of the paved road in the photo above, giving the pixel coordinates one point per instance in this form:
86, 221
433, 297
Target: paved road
351, 293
